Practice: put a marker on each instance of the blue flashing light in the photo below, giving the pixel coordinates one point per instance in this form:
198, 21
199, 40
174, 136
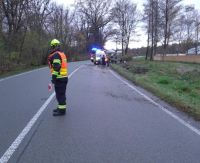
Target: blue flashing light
94, 49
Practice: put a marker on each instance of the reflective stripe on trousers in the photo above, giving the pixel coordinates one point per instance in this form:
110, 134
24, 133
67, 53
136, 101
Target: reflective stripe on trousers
60, 89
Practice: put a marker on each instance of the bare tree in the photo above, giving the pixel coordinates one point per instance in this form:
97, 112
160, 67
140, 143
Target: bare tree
125, 15
197, 30
1, 20
14, 12
59, 25
96, 12
82, 32
153, 27
147, 22
37, 14
179, 31
152, 19
169, 10
188, 20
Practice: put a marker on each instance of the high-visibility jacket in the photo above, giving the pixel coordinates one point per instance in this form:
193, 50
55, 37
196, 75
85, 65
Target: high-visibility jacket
63, 72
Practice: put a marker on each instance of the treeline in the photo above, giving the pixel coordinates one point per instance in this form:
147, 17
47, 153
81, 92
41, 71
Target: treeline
169, 22
174, 48
27, 26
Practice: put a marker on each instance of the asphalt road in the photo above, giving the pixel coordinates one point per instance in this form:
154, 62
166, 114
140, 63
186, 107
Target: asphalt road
106, 122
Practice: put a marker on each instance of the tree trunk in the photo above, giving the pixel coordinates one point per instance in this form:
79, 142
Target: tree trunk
152, 30
166, 28
197, 39
122, 46
147, 50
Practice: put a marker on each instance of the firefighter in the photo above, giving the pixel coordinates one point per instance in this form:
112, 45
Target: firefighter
59, 70
107, 60
103, 60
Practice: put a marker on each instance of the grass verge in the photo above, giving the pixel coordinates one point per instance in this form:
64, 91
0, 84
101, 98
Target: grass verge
175, 83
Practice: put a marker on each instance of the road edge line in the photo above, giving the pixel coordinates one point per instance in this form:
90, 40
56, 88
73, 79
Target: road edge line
192, 128
20, 74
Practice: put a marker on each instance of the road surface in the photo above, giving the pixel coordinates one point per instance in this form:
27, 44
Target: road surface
108, 120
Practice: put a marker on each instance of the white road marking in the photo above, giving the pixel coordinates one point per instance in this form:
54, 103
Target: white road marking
192, 128
28, 72
9, 152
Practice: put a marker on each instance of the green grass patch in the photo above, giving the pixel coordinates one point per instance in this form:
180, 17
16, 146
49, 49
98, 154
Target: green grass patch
176, 83
163, 80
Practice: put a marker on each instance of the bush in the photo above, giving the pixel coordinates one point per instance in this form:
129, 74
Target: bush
127, 58
14, 56
163, 80
184, 88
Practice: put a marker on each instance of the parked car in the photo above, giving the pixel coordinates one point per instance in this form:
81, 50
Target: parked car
192, 51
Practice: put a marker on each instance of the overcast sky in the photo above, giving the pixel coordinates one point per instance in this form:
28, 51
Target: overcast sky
139, 2
142, 40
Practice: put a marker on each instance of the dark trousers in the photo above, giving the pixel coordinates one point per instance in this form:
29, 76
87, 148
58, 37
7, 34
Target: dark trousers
60, 89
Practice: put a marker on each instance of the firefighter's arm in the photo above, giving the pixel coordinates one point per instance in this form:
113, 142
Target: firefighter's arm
56, 65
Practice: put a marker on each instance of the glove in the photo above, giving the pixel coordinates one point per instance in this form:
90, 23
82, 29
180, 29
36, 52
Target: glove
49, 87
53, 80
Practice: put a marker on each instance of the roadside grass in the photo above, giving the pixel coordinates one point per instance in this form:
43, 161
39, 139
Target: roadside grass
175, 83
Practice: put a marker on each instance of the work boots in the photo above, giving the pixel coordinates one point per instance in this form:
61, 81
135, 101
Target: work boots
55, 110
59, 112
